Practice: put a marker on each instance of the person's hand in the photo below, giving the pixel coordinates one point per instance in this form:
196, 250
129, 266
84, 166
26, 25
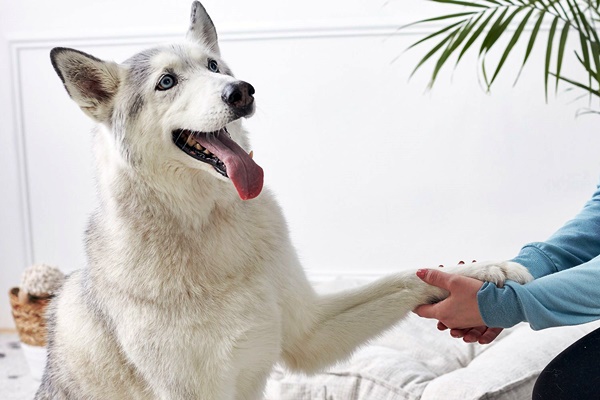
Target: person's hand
481, 334
459, 311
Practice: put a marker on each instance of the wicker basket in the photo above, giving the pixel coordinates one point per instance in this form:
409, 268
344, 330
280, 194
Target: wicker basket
29, 318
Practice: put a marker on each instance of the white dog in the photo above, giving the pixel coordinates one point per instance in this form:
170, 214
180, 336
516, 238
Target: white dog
190, 292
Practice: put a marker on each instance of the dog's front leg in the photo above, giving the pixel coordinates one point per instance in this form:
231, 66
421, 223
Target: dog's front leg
333, 326
339, 323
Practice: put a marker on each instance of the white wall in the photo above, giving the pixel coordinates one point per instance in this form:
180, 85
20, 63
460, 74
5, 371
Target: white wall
374, 173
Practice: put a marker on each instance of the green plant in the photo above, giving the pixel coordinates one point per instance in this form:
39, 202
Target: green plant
490, 20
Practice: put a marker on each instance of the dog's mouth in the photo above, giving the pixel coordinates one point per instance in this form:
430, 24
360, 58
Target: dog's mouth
225, 156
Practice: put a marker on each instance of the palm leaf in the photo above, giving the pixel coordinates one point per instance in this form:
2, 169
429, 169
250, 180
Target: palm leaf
580, 85
511, 44
561, 51
452, 46
492, 37
592, 38
531, 42
488, 21
589, 70
437, 19
476, 35
461, 3
434, 34
549, 54
435, 50
492, 34
586, 58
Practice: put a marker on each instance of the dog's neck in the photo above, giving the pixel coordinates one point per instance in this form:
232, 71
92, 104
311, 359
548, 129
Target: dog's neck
174, 211
146, 189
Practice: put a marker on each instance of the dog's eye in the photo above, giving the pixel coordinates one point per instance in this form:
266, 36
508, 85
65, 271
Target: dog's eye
166, 82
213, 66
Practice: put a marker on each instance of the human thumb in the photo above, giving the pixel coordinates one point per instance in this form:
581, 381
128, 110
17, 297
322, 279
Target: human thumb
434, 277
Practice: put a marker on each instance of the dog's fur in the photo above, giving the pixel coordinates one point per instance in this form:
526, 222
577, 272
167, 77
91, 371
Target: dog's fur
191, 292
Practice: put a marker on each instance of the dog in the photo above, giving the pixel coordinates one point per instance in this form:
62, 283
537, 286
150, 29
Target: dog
192, 288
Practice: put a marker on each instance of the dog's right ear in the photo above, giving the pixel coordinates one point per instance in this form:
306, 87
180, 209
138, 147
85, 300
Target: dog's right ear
91, 83
202, 30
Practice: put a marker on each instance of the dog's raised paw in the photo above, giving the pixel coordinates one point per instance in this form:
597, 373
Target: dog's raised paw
516, 272
496, 272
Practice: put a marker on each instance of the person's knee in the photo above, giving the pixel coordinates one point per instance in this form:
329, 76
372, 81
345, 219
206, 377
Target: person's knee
548, 384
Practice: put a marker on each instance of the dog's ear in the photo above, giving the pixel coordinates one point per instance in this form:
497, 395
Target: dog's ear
91, 83
202, 30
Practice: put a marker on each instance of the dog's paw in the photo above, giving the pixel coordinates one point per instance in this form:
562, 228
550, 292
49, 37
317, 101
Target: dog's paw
495, 272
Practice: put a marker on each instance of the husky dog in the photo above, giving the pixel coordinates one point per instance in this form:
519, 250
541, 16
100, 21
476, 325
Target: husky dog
193, 289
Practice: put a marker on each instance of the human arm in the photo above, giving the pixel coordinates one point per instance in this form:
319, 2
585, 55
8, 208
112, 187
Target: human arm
568, 297
577, 242
564, 267
563, 293
478, 311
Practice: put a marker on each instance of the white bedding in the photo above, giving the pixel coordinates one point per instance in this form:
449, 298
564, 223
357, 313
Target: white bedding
416, 361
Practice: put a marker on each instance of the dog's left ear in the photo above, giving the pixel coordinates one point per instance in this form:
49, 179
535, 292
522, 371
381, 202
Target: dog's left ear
202, 30
91, 83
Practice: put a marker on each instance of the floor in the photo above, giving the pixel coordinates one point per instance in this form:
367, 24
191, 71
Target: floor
16, 382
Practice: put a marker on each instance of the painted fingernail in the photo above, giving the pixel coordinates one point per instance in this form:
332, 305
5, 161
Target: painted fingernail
421, 273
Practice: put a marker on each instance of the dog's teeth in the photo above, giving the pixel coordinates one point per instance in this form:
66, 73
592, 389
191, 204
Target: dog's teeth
190, 141
197, 146
208, 153
251, 154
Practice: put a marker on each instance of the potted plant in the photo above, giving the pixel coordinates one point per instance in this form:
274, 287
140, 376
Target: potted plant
29, 301
480, 25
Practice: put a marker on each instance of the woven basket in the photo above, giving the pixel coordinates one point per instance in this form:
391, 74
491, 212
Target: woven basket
29, 318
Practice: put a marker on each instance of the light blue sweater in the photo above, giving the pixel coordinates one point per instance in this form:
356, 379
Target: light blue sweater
566, 268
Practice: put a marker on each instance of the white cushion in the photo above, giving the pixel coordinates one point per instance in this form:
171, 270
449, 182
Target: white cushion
416, 361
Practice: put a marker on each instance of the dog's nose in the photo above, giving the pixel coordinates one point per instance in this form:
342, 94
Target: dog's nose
238, 95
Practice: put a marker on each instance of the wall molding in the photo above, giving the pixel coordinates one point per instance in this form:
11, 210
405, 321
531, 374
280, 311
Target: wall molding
320, 30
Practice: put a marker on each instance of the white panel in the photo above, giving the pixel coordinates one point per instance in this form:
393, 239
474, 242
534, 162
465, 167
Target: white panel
373, 175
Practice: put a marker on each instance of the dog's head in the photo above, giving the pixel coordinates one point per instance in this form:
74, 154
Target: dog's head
178, 103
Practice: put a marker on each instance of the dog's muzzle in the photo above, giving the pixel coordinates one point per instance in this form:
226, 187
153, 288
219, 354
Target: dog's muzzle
239, 96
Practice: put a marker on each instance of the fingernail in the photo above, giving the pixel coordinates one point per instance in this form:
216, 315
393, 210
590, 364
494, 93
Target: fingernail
421, 273
441, 266
461, 262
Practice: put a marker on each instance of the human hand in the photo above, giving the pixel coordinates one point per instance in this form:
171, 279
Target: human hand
460, 309
481, 334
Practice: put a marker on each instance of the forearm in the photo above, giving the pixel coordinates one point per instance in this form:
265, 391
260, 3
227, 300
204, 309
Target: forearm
577, 242
568, 297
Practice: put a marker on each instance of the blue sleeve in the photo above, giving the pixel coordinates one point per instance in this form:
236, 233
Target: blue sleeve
566, 271
577, 242
568, 297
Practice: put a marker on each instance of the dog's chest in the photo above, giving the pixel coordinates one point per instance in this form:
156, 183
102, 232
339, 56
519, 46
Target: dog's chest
234, 325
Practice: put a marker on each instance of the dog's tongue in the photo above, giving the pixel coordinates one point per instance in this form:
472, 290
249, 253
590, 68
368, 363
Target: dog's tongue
246, 175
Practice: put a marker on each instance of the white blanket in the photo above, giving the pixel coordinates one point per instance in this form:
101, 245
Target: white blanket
416, 361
